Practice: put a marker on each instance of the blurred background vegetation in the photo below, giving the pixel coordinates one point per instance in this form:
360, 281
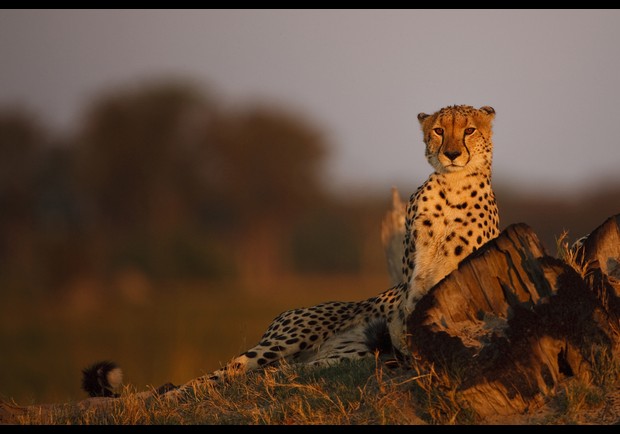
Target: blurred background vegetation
169, 228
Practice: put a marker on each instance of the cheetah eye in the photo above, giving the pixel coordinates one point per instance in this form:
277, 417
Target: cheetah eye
469, 131
438, 131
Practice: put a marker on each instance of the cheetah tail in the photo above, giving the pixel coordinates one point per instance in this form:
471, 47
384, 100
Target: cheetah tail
103, 378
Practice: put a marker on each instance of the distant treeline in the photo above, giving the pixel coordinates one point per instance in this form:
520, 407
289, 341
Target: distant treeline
165, 179
161, 178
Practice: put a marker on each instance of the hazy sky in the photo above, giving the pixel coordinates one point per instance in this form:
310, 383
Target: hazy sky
362, 76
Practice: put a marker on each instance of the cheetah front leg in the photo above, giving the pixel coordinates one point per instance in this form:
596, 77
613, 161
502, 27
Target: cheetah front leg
429, 270
397, 324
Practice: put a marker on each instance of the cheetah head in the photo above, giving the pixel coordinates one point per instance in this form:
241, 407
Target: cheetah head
458, 137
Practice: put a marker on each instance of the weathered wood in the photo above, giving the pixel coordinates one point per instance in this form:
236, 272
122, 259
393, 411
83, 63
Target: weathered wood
599, 256
512, 322
393, 235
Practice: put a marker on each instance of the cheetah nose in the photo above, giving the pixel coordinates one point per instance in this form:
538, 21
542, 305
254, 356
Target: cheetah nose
452, 155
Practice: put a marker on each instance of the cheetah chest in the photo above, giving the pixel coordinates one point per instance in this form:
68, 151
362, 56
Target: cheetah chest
449, 222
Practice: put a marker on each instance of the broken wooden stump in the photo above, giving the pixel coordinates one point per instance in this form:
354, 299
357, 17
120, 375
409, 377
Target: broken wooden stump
512, 321
599, 256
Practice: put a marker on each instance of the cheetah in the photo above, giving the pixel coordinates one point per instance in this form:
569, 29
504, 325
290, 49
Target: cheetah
448, 217
454, 212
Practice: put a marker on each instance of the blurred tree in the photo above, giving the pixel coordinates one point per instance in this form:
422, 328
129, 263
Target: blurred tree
21, 140
326, 241
137, 155
64, 249
163, 164
266, 163
22, 137
268, 160
139, 165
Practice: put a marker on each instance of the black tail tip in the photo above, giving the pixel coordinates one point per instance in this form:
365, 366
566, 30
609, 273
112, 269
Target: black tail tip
103, 378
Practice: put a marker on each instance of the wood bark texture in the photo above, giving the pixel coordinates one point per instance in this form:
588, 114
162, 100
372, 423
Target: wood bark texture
512, 321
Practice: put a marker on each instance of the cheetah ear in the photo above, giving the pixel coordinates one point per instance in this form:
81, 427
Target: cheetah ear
422, 116
488, 110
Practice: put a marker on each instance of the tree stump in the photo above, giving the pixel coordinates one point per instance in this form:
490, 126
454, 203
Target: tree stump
512, 321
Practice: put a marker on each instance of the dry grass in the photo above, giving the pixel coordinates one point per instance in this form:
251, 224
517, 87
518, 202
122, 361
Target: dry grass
176, 322
348, 394
352, 393
568, 253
